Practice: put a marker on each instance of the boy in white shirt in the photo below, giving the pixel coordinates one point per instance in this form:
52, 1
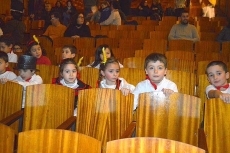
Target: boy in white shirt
218, 74
4, 74
27, 67
155, 69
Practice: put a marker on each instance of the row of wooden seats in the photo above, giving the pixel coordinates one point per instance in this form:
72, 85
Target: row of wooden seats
109, 113
59, 140
142, 43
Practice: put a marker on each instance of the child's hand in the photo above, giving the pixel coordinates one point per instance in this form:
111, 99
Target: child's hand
3, 80
125, 91
225, 97
167, 92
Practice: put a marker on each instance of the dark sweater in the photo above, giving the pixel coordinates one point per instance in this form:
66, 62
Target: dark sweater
82, 31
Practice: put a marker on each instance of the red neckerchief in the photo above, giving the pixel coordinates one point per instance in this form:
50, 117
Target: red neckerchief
225, 86
118, 82
153, 84
27, 80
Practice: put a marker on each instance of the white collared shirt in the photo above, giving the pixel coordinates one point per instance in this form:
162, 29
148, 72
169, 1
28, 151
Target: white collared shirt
146, 86
8, 75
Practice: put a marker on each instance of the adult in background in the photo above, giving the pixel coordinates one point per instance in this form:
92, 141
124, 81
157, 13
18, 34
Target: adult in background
69, 11
156, 10
58, 8
77, 27
224, 34
15, 27
184, 30
46, 13
114, 18
87, 6
56, 29
144, 9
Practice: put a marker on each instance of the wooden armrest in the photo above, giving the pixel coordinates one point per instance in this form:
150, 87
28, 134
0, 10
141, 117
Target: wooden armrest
202, 140
68, 123
12, 118
129, 131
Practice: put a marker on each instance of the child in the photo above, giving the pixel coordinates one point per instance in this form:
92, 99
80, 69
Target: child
17, 48
155, 69
69, 51
109, 77
218, 74
27, 67
6, 45
99, 56
35, 50
68, 78
4, 74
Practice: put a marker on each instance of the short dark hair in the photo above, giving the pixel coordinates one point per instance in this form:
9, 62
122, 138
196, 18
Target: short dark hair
56, 15
219, 63
184, 11
153, 57
72, 48
7, 40
4, 56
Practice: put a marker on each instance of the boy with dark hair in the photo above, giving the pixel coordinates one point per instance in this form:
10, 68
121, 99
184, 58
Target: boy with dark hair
4, 74
6, 45
69, 51
218, 76
155, 69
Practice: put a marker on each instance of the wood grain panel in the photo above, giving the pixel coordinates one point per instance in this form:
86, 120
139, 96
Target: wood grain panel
57, 141
103, 113
217, 125
6, 139
150, 145
47, 106
176, 117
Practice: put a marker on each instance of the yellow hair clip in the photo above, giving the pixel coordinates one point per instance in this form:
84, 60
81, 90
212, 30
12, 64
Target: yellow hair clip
35, 39
104, 55
79, 62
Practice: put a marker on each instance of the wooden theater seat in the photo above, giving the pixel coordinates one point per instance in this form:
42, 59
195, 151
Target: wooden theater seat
7, 136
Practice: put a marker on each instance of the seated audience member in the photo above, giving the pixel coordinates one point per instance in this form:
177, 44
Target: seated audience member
208, 10
69, 11
156, 9
96, 14
114, 18
68, 77
4, 73
58, 8
6, 45
110, 67
218, 76
180, 6
155, 69
184, 30
144, 9
27, 68
99, 56
35, 50
169, 11
46, 15
105, 11
56, 29
224, 34
15, 27
17, 48
77, 27
69, 51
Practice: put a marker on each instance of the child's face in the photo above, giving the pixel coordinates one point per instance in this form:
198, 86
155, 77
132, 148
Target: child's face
26, 74
36, 51
69, 73
93, 9
3, 66
66, 53
156, 71
5, 48
217, 76
111, 73
17, 48
108, 53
